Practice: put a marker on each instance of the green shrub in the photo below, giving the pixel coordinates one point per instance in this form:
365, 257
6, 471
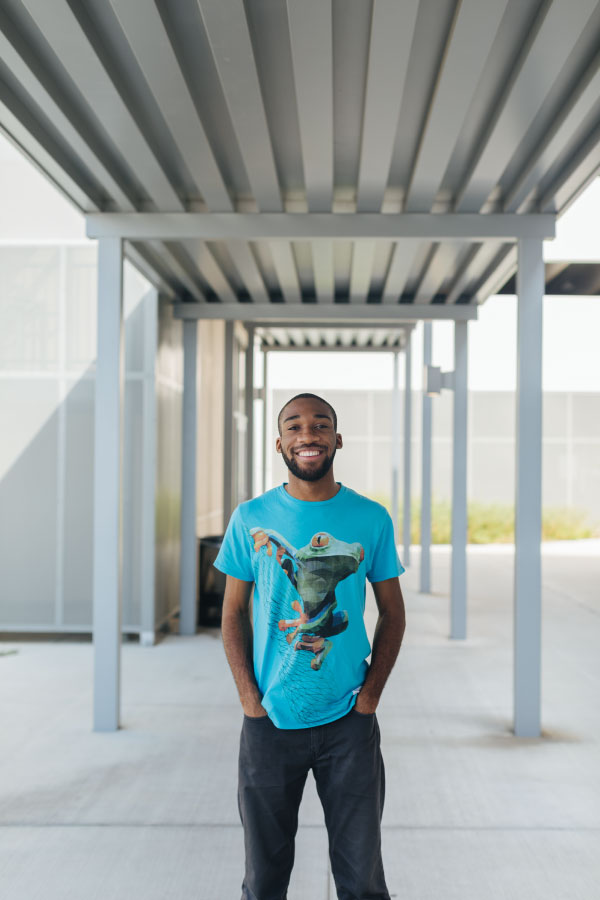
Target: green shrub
494, 523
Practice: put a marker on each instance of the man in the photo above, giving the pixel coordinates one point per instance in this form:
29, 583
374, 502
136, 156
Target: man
308, 694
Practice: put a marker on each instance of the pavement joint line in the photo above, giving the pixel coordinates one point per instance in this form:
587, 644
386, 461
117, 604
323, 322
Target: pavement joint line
198, 825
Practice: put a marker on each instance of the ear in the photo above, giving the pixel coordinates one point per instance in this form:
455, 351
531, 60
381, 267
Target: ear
278, 444
338, 442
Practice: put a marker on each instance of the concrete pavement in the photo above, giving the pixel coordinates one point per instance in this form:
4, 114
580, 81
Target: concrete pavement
471, 812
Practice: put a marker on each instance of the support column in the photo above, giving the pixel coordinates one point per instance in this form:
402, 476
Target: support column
148, 543
406, 499
108, 429
395, 447
249, 402
425, 586
188, 572
265, 449
229, 424
458, 577
528, 484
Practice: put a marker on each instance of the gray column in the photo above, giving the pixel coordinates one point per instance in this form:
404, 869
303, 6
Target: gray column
188, 573
425, 586
265, 449
406, 498
458, 576
528, 501
249, 402
228, 426
395, 447
108, 429
148, 542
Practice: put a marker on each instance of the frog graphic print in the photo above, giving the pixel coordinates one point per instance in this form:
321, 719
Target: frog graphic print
314, 572
303, 614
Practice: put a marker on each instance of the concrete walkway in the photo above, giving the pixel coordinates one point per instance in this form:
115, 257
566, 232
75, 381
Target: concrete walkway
471, 812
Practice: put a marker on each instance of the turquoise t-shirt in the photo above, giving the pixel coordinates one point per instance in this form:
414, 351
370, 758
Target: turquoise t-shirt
309, 561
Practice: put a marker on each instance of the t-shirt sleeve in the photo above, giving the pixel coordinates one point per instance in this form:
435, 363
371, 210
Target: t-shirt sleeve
234, 557
385, 562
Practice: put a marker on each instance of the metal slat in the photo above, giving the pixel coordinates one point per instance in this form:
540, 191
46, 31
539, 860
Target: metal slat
576, 174
62, 121
469, 45
35, 143
310, 27
566, 124
210, 270
470, 42
392, 29
441, 264
402, 259
227, 31
143, 259
249, 272
323, 270
171, 258
361, 270
81, 61
156, 57
562, 26
287, 274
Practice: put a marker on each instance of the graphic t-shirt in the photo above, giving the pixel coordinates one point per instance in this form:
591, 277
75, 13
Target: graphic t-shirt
309, 561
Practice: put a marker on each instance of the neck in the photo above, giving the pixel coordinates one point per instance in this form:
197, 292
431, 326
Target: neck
323, 489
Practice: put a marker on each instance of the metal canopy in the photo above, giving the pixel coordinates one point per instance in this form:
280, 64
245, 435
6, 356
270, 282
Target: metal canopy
344, 338
484, 112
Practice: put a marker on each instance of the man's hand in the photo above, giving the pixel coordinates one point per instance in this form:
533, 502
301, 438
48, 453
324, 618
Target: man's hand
364, 705
254, 711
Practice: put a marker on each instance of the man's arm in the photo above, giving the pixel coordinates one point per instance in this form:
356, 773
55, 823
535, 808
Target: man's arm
237, 641
386, 642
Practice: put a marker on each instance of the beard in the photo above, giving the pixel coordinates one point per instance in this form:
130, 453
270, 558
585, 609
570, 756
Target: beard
308, 474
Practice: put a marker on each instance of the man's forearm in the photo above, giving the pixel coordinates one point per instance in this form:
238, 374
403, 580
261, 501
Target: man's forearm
389, 632
237, 642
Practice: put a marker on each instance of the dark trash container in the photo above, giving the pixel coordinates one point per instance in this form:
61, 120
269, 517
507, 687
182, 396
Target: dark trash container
211, 582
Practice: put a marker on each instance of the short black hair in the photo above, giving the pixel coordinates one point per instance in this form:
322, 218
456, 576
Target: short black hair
307, 396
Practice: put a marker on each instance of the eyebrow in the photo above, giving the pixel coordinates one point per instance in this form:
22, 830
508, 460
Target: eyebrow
316, 415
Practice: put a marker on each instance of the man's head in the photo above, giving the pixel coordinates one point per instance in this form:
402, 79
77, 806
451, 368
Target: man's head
308, 436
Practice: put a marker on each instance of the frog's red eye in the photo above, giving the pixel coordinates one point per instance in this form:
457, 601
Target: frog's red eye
320, 540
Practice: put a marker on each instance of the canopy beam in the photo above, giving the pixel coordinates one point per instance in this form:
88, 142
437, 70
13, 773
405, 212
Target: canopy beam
414, 227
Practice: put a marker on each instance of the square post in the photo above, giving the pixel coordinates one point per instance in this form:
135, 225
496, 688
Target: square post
108, 430
228, 425
149, 418
395, 446
406, 499
265, 449
458, 577
249, 403
425, 572
188, 571
528, 484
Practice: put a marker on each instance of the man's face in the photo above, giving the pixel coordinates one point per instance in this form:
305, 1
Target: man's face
308, 441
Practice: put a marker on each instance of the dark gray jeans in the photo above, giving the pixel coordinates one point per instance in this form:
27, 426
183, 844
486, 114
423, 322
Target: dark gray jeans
346, 761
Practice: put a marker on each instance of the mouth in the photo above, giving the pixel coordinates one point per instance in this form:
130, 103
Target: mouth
313, 453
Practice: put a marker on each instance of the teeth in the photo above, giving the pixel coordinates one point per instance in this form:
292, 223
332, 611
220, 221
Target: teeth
309, 452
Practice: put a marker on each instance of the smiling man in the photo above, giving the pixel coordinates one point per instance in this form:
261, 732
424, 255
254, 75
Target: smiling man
307, 691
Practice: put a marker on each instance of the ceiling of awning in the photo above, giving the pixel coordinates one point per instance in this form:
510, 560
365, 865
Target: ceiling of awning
346, 338
309, 106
